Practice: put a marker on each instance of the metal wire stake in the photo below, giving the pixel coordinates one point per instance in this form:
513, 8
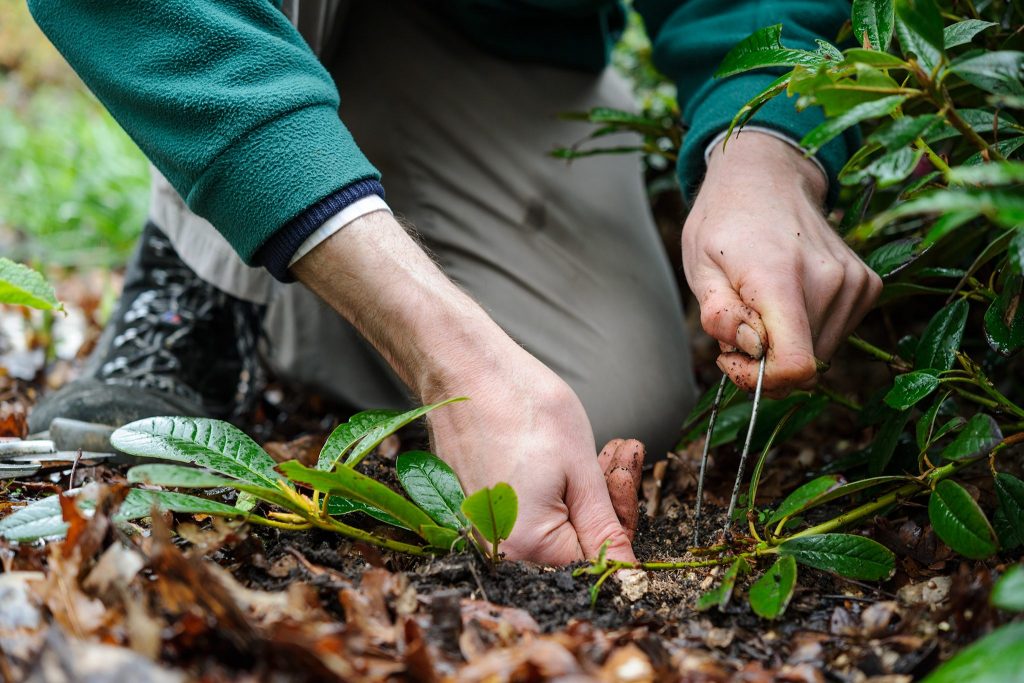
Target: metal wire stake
746, 444
704, 458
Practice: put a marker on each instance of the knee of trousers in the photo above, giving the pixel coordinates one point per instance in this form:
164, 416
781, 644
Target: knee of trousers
652, 412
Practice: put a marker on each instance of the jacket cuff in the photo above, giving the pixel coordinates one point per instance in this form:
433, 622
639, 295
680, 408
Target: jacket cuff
276, 253
714, 107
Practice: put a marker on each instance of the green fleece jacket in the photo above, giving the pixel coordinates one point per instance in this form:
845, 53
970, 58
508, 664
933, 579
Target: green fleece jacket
231, 105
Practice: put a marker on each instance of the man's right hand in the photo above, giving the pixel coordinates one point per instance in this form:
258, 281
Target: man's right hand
523, 424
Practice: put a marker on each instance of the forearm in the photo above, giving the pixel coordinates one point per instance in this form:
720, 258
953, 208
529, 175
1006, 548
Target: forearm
378, 278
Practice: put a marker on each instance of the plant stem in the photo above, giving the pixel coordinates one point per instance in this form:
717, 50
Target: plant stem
892, 359
838, 398
263, 521
937, 161
988, 153
331, 524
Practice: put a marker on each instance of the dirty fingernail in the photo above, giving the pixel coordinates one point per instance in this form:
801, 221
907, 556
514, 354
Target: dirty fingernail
748, 340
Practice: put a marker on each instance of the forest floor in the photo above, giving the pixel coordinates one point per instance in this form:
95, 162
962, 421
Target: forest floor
203, 599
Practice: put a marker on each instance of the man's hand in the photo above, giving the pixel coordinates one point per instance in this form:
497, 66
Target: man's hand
767, 270
523, 424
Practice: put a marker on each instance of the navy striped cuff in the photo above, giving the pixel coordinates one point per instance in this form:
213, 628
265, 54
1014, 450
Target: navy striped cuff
276, 253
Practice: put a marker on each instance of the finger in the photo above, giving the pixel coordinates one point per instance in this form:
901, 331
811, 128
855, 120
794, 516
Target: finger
593, 516
790, 347
622, 463
724, 316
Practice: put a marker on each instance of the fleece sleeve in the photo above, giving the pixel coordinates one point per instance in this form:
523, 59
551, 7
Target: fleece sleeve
691, 37
229, 103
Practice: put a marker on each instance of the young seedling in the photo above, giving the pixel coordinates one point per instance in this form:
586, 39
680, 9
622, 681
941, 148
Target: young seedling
217, 455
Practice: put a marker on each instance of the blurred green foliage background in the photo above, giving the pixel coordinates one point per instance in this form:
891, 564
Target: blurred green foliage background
73, 186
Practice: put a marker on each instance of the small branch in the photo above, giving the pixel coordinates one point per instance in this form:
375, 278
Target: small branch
895, 361
838, 398
988, 153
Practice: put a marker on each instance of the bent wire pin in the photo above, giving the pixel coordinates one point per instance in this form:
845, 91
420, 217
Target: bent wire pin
743, 457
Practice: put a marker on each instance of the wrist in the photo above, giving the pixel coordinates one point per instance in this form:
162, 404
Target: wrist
751, 159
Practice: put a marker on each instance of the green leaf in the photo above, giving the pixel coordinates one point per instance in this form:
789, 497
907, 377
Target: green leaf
1010, 537
727, 428
1010, 493
830, 128
213, 444
963, 32
338, 506
881, 450
854, 557
941, 339
1016, 252
876, 19
910, 388
442, 538
1004, 319
492, 511
1008, 593
959, 522
348, 483
919, 27
383, 430
904, 130
140, 502
993, 173
704, 403
881, 60
892, 256
23, 286
996, 72
764, 48
850, 489
720, 595
189, 477
776, 87
1005, 147
770, 595
980, 435
347, 434
889, 169
996, 658
432, 485
804, 496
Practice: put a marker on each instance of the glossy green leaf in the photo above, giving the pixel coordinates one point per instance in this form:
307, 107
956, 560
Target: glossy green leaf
1004, 318
704, 403
830, 128
919, 27
996, 658
892, 256
1015, 252
727, 427
720, 595
443, 538
850, 489
378, 433
432, 485
140, 503
764, 48
926, 423
980, 435
348, 483
770, 595
1008, 593
941, 339
802, 497
1006, 147
910, 388
963, 32
338, 506
904, 130
883, 447
1010, 494
996, 72
874, 19
347, 434
854, 557
776, 87
179, 476
492, 511
889, 169
993, 173
23, 286
213, 444
959, 522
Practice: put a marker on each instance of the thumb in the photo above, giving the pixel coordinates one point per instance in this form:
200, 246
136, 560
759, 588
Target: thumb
593, 516
725, 316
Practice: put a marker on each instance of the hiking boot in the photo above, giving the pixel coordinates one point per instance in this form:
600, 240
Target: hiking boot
175, 346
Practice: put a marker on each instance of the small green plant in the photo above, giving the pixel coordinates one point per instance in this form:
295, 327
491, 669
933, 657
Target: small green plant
23, 286
220, 456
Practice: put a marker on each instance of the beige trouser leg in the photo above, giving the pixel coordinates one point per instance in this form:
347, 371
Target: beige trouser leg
566, 258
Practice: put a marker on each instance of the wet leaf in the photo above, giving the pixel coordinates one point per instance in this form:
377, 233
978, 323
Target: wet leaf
996, 72
876, 19
720, 595
892, 256
959, 522
770, 595
764, 48
996, 658
855, 557
980, 435
830, 128
804, 496
432, 485
962, 32
941, 339
910, 388
919, 28
348, 483
1010, 493
348, 433
213, 444
381, 431
1008, 593
492, 511
23, 286
1004, 319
